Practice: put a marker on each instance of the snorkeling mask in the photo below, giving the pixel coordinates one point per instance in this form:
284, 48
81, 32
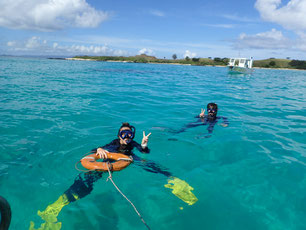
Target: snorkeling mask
211, 111
129, 134
126, 134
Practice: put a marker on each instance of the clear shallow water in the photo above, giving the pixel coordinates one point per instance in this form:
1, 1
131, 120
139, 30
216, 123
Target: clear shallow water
249, 175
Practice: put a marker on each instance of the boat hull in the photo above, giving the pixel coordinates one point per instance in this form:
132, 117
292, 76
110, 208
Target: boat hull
239, 70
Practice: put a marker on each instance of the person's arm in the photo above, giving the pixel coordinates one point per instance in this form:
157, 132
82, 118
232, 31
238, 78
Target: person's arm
202, 118
202, 114
103, 150
145, 139
225, 122
151, 166
141, 148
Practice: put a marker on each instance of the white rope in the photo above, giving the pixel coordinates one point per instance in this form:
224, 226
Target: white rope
92, 158
125, 159
110, 177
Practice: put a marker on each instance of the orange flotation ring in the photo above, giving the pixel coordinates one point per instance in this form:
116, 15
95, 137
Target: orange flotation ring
121, 161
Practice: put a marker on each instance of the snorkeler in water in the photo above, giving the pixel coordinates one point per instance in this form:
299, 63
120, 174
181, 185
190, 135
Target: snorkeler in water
83, 184
124, 143
211, 119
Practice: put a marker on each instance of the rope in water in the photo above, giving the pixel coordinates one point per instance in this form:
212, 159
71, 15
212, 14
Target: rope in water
110, 178
81, 170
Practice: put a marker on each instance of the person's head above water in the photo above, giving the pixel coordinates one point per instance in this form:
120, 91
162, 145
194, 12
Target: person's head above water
126, 133
212, 110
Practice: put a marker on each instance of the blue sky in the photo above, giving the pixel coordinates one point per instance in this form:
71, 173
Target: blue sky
220, 28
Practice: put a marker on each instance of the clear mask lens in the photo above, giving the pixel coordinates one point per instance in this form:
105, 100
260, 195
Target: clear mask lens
126, 134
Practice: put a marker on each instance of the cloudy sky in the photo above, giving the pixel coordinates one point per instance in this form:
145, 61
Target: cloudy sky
198, 28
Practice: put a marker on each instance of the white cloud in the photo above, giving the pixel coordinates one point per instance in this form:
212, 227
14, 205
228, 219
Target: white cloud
157, 13
292, 16
146, 51
49, 15
301, 42
34, 43
237, 18
273, 39
189, 54
90, 50
226, 26
11, 43
37, 46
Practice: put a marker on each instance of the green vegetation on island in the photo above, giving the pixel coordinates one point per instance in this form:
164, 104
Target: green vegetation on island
151, 59
266, 63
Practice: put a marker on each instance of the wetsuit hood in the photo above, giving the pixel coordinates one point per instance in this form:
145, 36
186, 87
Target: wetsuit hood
212, 110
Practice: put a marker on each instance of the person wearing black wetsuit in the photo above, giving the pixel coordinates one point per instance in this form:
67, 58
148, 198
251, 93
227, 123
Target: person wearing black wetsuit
83, 184
125, 144
211, 119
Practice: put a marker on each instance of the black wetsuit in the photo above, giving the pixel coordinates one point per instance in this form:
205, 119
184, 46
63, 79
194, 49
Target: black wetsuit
206, 120
115, 146
83, 184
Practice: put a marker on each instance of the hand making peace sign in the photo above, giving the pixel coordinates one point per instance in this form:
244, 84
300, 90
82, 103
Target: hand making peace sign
202, 113
145, 139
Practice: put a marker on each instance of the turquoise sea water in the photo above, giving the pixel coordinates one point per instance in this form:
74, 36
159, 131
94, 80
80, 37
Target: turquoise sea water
249, 175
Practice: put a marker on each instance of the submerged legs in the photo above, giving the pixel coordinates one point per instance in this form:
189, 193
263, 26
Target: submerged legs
82, 186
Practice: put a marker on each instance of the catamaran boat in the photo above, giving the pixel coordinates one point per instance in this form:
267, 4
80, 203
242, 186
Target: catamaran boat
240, 65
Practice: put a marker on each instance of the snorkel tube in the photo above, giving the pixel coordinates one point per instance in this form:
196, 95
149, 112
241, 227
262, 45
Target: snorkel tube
5, 211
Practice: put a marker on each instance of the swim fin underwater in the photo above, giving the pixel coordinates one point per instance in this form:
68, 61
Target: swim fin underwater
83, 185
49, 215
182, 190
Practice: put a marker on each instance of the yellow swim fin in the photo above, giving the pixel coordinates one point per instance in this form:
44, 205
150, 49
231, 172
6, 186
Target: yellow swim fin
51, 212
46, 226
49, 215
182, 190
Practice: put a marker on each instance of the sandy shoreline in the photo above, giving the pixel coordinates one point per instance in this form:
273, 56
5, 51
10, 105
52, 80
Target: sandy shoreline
79, 59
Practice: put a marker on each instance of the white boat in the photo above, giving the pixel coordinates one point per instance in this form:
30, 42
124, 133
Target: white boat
240, 65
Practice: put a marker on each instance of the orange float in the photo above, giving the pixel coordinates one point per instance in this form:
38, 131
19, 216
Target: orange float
121, 161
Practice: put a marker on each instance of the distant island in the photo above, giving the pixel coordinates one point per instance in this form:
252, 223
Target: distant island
266, 63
